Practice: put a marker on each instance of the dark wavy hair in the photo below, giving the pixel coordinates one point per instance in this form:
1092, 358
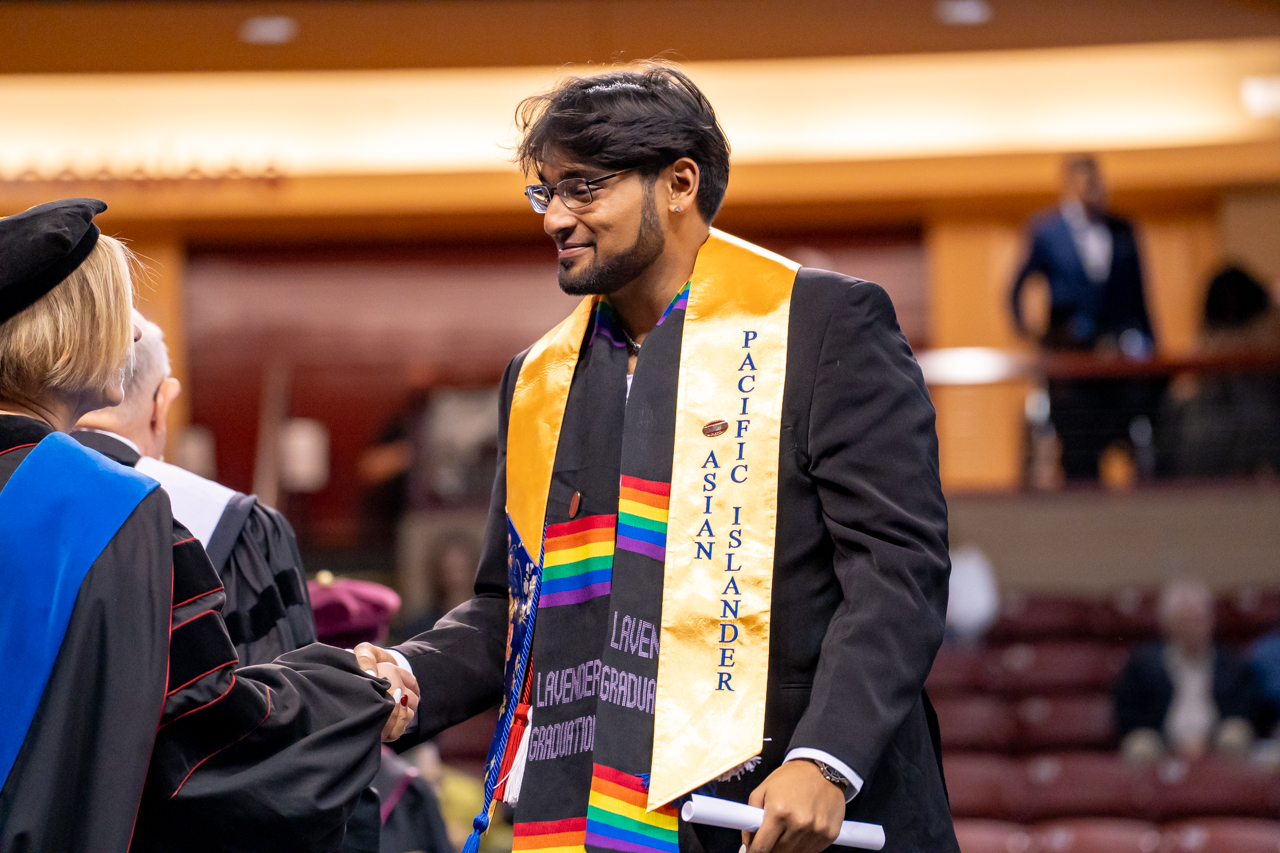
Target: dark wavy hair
644, 117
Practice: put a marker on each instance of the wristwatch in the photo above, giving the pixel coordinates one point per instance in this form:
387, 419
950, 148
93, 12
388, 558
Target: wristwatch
832, 775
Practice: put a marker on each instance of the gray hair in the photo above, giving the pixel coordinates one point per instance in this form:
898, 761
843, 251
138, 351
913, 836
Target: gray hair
1177, 593
150, 367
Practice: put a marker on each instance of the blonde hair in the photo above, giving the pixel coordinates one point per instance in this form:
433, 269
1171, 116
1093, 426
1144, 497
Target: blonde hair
78, 337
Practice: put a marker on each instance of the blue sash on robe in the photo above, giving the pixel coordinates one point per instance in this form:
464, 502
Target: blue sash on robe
59, 510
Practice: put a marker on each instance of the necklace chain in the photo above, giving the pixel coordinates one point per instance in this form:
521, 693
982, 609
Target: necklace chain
633, 348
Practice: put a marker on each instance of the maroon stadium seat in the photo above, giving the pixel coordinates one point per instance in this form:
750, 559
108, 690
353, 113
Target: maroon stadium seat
1248, 612
1126, 616
1221, 835
983, 786
1097, 835
1084, 784
1215, 787
1048, 723
1060, 666
1041, 617
956, 669
992, 836
975, 722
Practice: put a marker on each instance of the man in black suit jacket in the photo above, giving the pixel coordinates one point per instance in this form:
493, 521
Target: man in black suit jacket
1090, 259
1184, 694
632, 167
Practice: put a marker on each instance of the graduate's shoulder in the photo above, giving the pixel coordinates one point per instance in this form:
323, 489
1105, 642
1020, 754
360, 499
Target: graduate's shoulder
822, 296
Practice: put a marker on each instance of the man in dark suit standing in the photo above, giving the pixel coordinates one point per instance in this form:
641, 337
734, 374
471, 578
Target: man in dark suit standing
720, 457
1090, 259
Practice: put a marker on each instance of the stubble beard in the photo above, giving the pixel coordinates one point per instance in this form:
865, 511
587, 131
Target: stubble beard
612, 274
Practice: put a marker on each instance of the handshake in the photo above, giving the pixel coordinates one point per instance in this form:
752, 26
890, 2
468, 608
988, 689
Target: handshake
380, 663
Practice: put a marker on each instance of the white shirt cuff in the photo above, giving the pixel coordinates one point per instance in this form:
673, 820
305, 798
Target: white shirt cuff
403, 662
855, 781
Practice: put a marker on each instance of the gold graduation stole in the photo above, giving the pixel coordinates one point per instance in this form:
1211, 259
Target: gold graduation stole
713, 665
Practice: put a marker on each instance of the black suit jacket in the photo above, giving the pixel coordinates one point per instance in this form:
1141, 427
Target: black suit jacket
860, 573
1080, 310
1144, 691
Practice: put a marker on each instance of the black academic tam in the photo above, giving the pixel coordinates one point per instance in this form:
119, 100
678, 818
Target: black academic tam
40, 247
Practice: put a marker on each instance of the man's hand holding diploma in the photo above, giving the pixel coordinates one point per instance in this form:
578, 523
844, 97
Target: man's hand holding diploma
802, 811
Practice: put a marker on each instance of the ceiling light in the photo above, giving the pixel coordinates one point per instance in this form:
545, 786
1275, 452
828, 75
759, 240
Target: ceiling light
272, 29
963, 13
1261, 96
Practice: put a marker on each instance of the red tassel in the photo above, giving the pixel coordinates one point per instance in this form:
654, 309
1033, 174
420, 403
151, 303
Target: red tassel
519, 722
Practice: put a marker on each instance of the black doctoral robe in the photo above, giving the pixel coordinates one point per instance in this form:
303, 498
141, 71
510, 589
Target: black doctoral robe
148, 737
255, 552
860, 570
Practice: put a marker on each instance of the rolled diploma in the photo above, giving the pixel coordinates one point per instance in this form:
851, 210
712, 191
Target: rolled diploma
731, 815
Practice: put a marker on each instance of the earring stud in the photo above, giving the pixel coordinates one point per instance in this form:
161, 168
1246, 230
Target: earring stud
678, 208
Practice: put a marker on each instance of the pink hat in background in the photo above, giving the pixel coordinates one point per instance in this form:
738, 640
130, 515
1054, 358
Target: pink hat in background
350, 611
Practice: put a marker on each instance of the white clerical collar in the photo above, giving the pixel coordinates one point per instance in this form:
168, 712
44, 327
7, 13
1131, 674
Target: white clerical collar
197, 503
117, 436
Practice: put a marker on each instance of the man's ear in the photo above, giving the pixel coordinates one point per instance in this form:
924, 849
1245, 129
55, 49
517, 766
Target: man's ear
682, 178
165, 395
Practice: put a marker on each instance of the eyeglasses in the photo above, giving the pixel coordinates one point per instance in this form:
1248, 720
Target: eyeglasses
574, 192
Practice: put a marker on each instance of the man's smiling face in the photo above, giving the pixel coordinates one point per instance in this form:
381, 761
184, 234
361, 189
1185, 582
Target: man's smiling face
607, 244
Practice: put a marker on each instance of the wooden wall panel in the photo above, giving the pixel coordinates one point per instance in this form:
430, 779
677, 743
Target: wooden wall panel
980, 435
971, 265
1249, 221
159, 295
1180, 254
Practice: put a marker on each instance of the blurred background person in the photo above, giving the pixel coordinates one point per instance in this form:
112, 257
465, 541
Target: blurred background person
1228, 423
251, 545
441, 450
973, 598
1096, 303
1183, 694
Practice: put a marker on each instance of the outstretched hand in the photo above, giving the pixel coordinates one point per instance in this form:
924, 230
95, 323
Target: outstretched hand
404, 691
802, 811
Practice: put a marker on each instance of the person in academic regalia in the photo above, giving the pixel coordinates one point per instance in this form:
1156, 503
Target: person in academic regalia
251, 545
716, 558
125, 722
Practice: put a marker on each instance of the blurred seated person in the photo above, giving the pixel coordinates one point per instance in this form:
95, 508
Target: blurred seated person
1228, 423
251, 546
452, 573
1182, 695
443, 449
973, 599
124, 720
1090, 260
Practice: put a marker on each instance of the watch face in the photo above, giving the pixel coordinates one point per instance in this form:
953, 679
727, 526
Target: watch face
831, 774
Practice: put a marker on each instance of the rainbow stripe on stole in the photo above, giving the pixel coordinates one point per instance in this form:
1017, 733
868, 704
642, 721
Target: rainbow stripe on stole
642, 516
616, 816
578, 565
551, 836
